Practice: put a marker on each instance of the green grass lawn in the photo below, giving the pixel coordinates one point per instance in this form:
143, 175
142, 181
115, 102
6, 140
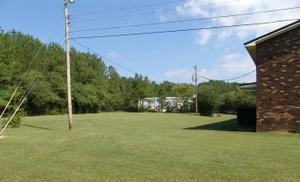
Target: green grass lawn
145, 147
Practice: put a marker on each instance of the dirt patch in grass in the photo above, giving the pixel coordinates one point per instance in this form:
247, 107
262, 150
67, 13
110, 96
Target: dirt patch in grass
1, 137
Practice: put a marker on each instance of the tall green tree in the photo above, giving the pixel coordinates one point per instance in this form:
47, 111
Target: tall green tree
96, 87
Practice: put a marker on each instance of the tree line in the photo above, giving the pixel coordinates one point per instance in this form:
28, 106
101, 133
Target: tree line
96, 87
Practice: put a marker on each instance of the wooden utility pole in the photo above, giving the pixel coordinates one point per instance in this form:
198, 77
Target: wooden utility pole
70, 115
195, 79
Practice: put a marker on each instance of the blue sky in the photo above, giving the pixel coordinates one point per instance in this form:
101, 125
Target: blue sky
219, 53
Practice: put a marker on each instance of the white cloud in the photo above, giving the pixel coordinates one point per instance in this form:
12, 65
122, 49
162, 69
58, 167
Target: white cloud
195, 8
163, 18
113, 55
224, 34
184, 73
230, 66
192, 8
233, 65
231, 56
203, 36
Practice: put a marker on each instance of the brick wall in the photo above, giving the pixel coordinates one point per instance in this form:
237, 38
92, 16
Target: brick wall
278, 83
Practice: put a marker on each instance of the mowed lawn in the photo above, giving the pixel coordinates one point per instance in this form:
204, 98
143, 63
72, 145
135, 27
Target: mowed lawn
145, 147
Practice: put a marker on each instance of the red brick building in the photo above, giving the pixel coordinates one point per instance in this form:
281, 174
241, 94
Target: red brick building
277, 59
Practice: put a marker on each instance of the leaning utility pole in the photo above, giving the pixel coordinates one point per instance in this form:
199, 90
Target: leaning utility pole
195, 79
70, 120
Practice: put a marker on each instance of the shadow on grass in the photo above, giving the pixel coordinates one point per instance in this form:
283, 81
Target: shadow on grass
36, 127
229, 125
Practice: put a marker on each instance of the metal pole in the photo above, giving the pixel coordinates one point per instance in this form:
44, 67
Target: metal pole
70, 121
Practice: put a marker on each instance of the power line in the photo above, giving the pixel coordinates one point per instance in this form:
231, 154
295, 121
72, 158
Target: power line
181, 30
152, 12
105, 58
129, 8
185, 20
206, 78
114, 17
131, 71
228, 79
25, 95
241, 76
30, 65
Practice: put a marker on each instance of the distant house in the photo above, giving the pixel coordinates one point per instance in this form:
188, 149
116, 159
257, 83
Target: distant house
277, 59
168, 104
251, 85
151, 103
173, 102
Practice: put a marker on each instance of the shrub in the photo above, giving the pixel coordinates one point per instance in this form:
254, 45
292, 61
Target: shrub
228, 101
244, 99
15, 122
187, 105
208, 103
218, 97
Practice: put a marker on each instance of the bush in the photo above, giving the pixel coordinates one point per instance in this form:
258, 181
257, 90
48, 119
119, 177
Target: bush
219, 97
171, 108
244, 99
229, 102
15, 122
208, 103
187, 105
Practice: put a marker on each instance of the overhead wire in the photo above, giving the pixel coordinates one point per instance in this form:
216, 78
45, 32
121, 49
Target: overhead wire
206, 78
182, 30
44, 68
25, 95
29, 67
241, 76
74, 39
105, 58
16, 89
153, 12
228, 79
184, 20
131, 71
129, 8
25, 73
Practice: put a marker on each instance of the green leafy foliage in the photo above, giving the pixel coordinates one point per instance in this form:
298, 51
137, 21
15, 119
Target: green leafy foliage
96, 87
221, 97
209, 103
14, 123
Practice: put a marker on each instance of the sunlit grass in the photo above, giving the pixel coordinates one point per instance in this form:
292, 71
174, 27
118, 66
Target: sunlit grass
145, 147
